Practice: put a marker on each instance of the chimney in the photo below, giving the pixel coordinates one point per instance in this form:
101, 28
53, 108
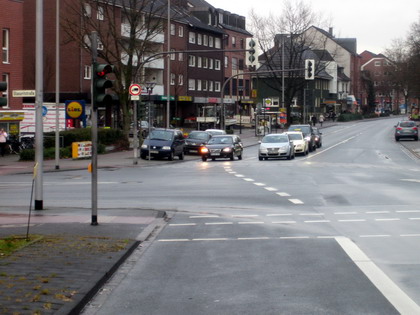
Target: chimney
331, 31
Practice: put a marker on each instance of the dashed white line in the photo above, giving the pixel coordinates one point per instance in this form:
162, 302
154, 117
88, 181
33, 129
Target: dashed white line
270, 188
296, 201
283, 194
203, 216
210, 239
283, 222
374, 235
248, 179
252, 238
239, 175
389, 219
407, 211
175, 240
182, 224
218, 223
259, 184
345, 213
376, 212
410, 235
414, 219
311, 214
317, 221
353, 220
257, 222
245, 215
278, 214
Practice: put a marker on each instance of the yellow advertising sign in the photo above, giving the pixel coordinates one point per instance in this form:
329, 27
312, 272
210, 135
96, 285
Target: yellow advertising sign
74, 110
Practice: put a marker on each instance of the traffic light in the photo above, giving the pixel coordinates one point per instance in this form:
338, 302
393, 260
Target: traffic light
3, 88
100, 84
142, 111
309, 69
251, 51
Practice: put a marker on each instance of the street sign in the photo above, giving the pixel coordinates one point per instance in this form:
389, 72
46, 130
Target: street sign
135, 97
44, 111
135, 89
23, 93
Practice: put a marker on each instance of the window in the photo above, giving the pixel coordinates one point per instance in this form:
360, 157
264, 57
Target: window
181, 31
173, 54
100, 45
180, 79
172, 78
205, 65
226, 61
180, 57
217, 86
192, 37
191, 84
5, 78
199, 39
198, 85
204, 85
211, 41
191, 61
377, 63
87, 10
172, 29
217, 43
100, 14
241, 64
211, 63
234, 63
88, 73
210, 87
5, 45
205, 40
242, 43
199, 62
216, 64
233, 41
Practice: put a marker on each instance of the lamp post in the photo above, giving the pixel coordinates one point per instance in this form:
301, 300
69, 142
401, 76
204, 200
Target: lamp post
149, 88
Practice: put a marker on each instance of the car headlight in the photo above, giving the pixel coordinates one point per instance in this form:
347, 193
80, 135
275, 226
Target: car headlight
263, 150
166, 147
204, 150
227, 150
308, 138
144, 146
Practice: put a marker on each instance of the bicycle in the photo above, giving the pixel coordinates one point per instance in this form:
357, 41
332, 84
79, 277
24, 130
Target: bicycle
14, 145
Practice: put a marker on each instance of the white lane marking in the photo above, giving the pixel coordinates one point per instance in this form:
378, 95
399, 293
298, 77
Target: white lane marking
296, 201
410, 235
259, 184
374, 235
390, 219
175, 240
239, 175
401, 301
311, 214
329, 148
278, 214
252, 238
270, 188
283, 222
317, 221
414, 218
345, 213
218, 223
248, 179
245, 215
293, 237
251, 222
353, 220
182, 224
203, 216
411, 180
283, 194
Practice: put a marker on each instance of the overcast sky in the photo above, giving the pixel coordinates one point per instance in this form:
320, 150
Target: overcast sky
375, 23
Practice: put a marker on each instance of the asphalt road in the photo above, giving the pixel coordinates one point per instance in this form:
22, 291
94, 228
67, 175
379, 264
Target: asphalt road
335, 232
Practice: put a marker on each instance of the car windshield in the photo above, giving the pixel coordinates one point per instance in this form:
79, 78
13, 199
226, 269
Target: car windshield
161, 135
295, 136
407, 124
198, 135
303, 129
275, 139
221, 140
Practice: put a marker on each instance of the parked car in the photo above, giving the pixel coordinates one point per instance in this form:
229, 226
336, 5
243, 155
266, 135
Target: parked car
406, 129
214, 132
308, 134
163, 143
276, 146
195, 140
222, 146
300, 143
318, 137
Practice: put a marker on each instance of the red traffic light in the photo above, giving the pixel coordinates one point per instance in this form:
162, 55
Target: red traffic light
103, 70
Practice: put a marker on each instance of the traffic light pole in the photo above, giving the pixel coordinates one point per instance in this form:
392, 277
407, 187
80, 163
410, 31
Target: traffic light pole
94, 132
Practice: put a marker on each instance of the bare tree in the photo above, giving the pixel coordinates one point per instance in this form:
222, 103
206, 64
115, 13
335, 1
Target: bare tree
128, 30
285, 41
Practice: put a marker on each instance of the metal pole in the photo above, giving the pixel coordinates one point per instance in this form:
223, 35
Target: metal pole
57, 85
135, 135
39, 132
168, 83
94, 134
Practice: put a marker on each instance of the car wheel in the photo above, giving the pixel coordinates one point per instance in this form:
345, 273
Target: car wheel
289, 157
416, 139
260, 158
397, 139
204, 159
213, 159
171, 156
181, 156
240, 156
293, 156
232, 157
143, 156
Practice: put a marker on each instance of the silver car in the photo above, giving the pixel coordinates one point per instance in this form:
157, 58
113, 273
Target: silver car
406, 129
276, 146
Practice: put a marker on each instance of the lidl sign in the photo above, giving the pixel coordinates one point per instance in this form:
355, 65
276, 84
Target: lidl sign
75, 109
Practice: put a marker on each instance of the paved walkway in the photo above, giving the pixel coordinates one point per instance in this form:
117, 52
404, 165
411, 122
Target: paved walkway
62, 270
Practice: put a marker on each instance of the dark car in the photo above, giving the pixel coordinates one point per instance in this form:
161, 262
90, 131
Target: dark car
163, 143
222, 146
308, 133
195, 140
318, 137
406, 129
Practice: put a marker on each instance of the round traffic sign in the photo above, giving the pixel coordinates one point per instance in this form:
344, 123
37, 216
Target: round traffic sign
74, 110
135, 89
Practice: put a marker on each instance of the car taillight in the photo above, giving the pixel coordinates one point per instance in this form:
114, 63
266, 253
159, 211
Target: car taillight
415, 128
399, 128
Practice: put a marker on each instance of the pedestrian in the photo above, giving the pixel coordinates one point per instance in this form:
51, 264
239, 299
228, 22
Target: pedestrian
313, 120
333, 116
3, 141
321, 119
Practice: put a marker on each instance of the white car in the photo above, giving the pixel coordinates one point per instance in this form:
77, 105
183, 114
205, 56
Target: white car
299, 141
215, 132
276, 145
